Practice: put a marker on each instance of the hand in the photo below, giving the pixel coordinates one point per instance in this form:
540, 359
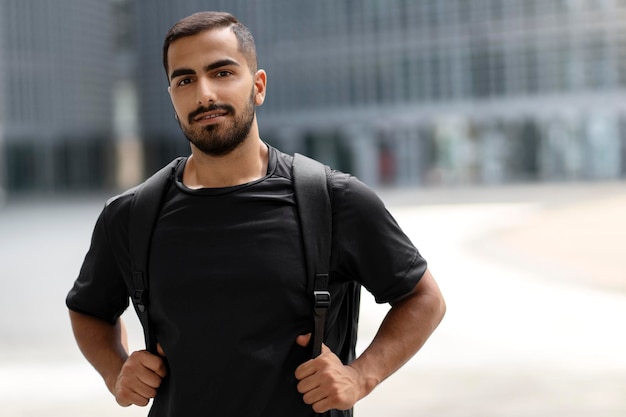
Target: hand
140, 377
326, 383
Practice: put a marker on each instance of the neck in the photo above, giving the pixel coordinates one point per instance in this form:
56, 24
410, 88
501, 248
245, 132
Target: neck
248, 162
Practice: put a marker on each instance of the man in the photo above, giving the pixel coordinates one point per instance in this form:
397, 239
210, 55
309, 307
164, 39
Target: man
228, 295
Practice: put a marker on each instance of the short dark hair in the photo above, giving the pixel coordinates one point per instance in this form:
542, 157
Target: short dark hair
201, 21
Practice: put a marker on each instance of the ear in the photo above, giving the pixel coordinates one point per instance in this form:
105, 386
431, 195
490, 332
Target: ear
260, 83
169, 90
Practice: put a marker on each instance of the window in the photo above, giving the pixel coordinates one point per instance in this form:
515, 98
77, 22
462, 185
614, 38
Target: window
497, 9
531, 69
596, 64
480, 71
464, 11
498, 73
529, 9
621, 61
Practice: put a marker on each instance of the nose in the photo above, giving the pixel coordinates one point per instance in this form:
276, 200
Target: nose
205, 92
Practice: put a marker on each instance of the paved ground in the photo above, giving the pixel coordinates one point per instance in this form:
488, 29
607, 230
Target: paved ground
534, 279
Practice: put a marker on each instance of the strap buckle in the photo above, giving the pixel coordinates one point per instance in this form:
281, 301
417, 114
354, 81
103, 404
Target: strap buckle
138, 300
321, 299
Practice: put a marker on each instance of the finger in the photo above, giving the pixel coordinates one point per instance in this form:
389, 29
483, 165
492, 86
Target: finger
307, 384
129, 398
142, 369
312, 366
153, 362
305, 370
317, 399
149, 379
129, 390
303, 340
144, 390
314, 396
322, 406
160, 350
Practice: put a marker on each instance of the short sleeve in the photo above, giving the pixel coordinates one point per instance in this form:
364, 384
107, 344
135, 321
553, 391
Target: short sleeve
369, 246
100, 289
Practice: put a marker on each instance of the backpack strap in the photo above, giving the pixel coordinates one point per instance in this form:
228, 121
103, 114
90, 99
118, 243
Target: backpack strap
144, 210
314, 211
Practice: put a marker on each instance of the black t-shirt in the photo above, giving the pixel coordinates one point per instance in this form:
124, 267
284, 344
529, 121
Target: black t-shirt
228, 290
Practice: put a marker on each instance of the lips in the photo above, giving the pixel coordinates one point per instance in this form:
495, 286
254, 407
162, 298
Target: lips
210, 115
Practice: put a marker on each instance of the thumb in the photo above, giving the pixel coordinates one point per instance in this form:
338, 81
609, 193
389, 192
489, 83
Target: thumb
160, 350
303, 339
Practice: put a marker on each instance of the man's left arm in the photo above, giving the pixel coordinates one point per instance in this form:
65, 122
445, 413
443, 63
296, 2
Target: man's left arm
326, 383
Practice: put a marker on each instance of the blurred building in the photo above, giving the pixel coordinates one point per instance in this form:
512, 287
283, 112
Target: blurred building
55, 102
399, 92
426, 91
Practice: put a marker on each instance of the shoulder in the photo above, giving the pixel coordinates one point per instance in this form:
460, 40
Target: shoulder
344, 188
122, 203
123, 198
280, 163
348, 191
119, 205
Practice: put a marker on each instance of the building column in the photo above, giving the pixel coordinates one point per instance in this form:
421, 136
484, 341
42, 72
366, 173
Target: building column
604, 146
407, 156
3, 166
364, 149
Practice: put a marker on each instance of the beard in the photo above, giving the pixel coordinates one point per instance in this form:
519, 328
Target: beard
222, 138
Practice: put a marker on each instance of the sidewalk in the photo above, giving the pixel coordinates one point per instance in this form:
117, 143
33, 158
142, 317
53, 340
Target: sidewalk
582, 242
534, 281
576, 231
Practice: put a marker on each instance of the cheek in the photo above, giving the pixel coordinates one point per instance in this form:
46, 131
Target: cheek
180, 96
179, 106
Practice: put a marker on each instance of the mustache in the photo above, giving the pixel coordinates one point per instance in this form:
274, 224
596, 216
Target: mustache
212, 107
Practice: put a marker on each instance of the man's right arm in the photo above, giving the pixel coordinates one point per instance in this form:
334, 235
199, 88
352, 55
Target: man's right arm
132, 379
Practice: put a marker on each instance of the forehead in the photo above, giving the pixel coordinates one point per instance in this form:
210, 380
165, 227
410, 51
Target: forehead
203, 48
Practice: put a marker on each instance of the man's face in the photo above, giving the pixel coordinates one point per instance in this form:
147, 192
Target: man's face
213, 90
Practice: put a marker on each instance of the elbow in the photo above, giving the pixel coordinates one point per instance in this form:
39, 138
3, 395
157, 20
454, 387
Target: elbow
440, 308
437, 303
434, 303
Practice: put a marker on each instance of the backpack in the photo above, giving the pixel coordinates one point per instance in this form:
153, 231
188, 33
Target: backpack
315, 214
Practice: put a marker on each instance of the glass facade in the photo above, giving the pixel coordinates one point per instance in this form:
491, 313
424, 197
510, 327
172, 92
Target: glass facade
55, 107
430, 91
399, 92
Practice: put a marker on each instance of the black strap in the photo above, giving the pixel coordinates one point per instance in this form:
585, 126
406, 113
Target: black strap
314, 210
145, 207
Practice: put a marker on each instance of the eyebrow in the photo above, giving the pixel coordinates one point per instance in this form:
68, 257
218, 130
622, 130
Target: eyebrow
215, 65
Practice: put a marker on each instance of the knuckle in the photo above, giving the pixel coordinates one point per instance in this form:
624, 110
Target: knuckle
162, 369
328, 374
135, 355
122, 399
143, 402
151, 394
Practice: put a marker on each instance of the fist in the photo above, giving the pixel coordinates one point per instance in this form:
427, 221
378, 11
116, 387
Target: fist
140, 377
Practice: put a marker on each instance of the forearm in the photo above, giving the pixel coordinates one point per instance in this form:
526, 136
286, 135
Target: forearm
103, 345
405, 329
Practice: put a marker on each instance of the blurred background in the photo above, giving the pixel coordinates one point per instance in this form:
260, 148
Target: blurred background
399, 92
495, 130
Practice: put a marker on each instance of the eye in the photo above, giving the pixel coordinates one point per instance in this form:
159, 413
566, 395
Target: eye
184, 81
223, 73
